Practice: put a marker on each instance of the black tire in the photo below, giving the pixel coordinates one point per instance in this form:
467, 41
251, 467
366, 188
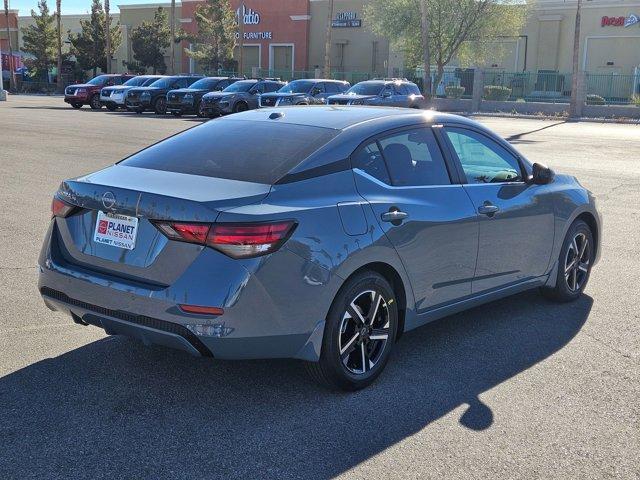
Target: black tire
160, 106
345, 332
199, 112
112, 108
240, 107
176, 114
76, 105
95, 103
574, 264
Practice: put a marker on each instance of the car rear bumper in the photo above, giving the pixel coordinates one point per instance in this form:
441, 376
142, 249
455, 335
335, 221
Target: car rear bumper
260, 319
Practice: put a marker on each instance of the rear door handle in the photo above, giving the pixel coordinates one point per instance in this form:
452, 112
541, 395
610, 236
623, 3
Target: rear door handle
488, 209
394, 216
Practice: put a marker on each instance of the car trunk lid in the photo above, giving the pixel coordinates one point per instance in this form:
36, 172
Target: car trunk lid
138, 196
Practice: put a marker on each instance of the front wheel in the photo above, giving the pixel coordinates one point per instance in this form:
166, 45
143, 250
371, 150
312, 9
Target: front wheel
359, 334
160, 107
574, 264
240, 107
95, 103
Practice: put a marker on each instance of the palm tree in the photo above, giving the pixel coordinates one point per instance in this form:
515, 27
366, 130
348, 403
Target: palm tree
172, 27
426, 56
107, 34
12, 77
573, 106
59, 82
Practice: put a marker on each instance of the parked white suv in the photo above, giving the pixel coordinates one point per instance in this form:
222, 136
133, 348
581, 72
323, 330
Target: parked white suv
113, 97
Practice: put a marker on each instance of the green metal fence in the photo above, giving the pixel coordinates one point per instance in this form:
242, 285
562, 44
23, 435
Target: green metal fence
612, 88
542, 86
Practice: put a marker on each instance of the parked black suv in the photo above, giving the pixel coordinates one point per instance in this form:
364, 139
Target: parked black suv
311, 91
242, 95
154, 97
187, 100
384, 92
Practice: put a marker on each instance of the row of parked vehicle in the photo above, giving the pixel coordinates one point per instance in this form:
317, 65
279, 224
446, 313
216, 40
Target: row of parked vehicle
214, 96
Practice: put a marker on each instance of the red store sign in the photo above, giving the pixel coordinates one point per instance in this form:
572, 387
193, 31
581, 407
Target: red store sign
619, 21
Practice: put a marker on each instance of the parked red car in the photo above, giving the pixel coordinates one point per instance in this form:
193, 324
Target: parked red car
89, 93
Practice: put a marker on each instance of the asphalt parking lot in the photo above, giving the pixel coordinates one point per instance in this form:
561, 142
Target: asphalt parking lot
520, 388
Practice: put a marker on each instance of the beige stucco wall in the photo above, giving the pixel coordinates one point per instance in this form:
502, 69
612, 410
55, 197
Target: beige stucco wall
68, 23
133, 15
549, 32
353, 49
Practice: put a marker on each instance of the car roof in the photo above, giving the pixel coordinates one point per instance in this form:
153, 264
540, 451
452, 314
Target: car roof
331, 80
340, 117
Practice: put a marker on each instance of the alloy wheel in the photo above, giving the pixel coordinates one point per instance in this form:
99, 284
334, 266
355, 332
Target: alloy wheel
576, 264
364, 332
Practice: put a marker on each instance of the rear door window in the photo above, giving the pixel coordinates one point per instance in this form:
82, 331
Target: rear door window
211, 150
413, 158
332, 88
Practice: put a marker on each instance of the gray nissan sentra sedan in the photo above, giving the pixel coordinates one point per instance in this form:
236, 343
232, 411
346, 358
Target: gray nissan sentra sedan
316, 233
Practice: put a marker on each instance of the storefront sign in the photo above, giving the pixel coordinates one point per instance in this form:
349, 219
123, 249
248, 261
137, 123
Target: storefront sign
251, 17
620, 21
346, 20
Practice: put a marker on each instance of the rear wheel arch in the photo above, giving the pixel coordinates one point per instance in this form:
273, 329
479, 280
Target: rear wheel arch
392, 276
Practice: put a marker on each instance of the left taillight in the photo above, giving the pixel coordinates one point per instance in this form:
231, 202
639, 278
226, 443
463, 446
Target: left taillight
236, 240
60, 208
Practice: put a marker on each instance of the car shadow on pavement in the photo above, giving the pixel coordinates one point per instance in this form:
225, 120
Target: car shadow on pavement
116, 409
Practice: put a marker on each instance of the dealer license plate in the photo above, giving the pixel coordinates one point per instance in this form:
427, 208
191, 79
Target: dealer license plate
116, 230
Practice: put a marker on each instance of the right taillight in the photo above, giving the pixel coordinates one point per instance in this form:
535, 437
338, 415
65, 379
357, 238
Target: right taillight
60, 208
237, 240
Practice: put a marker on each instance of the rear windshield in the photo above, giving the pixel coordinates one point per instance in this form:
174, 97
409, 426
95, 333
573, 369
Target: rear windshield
251, 151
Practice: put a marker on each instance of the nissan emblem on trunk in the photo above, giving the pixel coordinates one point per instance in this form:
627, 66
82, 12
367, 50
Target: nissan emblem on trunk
108, 200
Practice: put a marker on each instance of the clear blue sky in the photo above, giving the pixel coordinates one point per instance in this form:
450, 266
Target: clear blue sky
68, 6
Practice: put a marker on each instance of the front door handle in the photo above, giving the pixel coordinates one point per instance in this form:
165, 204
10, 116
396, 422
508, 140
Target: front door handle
488, 209
394, 216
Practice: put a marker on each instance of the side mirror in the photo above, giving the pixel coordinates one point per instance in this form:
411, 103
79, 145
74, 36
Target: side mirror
541, 174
